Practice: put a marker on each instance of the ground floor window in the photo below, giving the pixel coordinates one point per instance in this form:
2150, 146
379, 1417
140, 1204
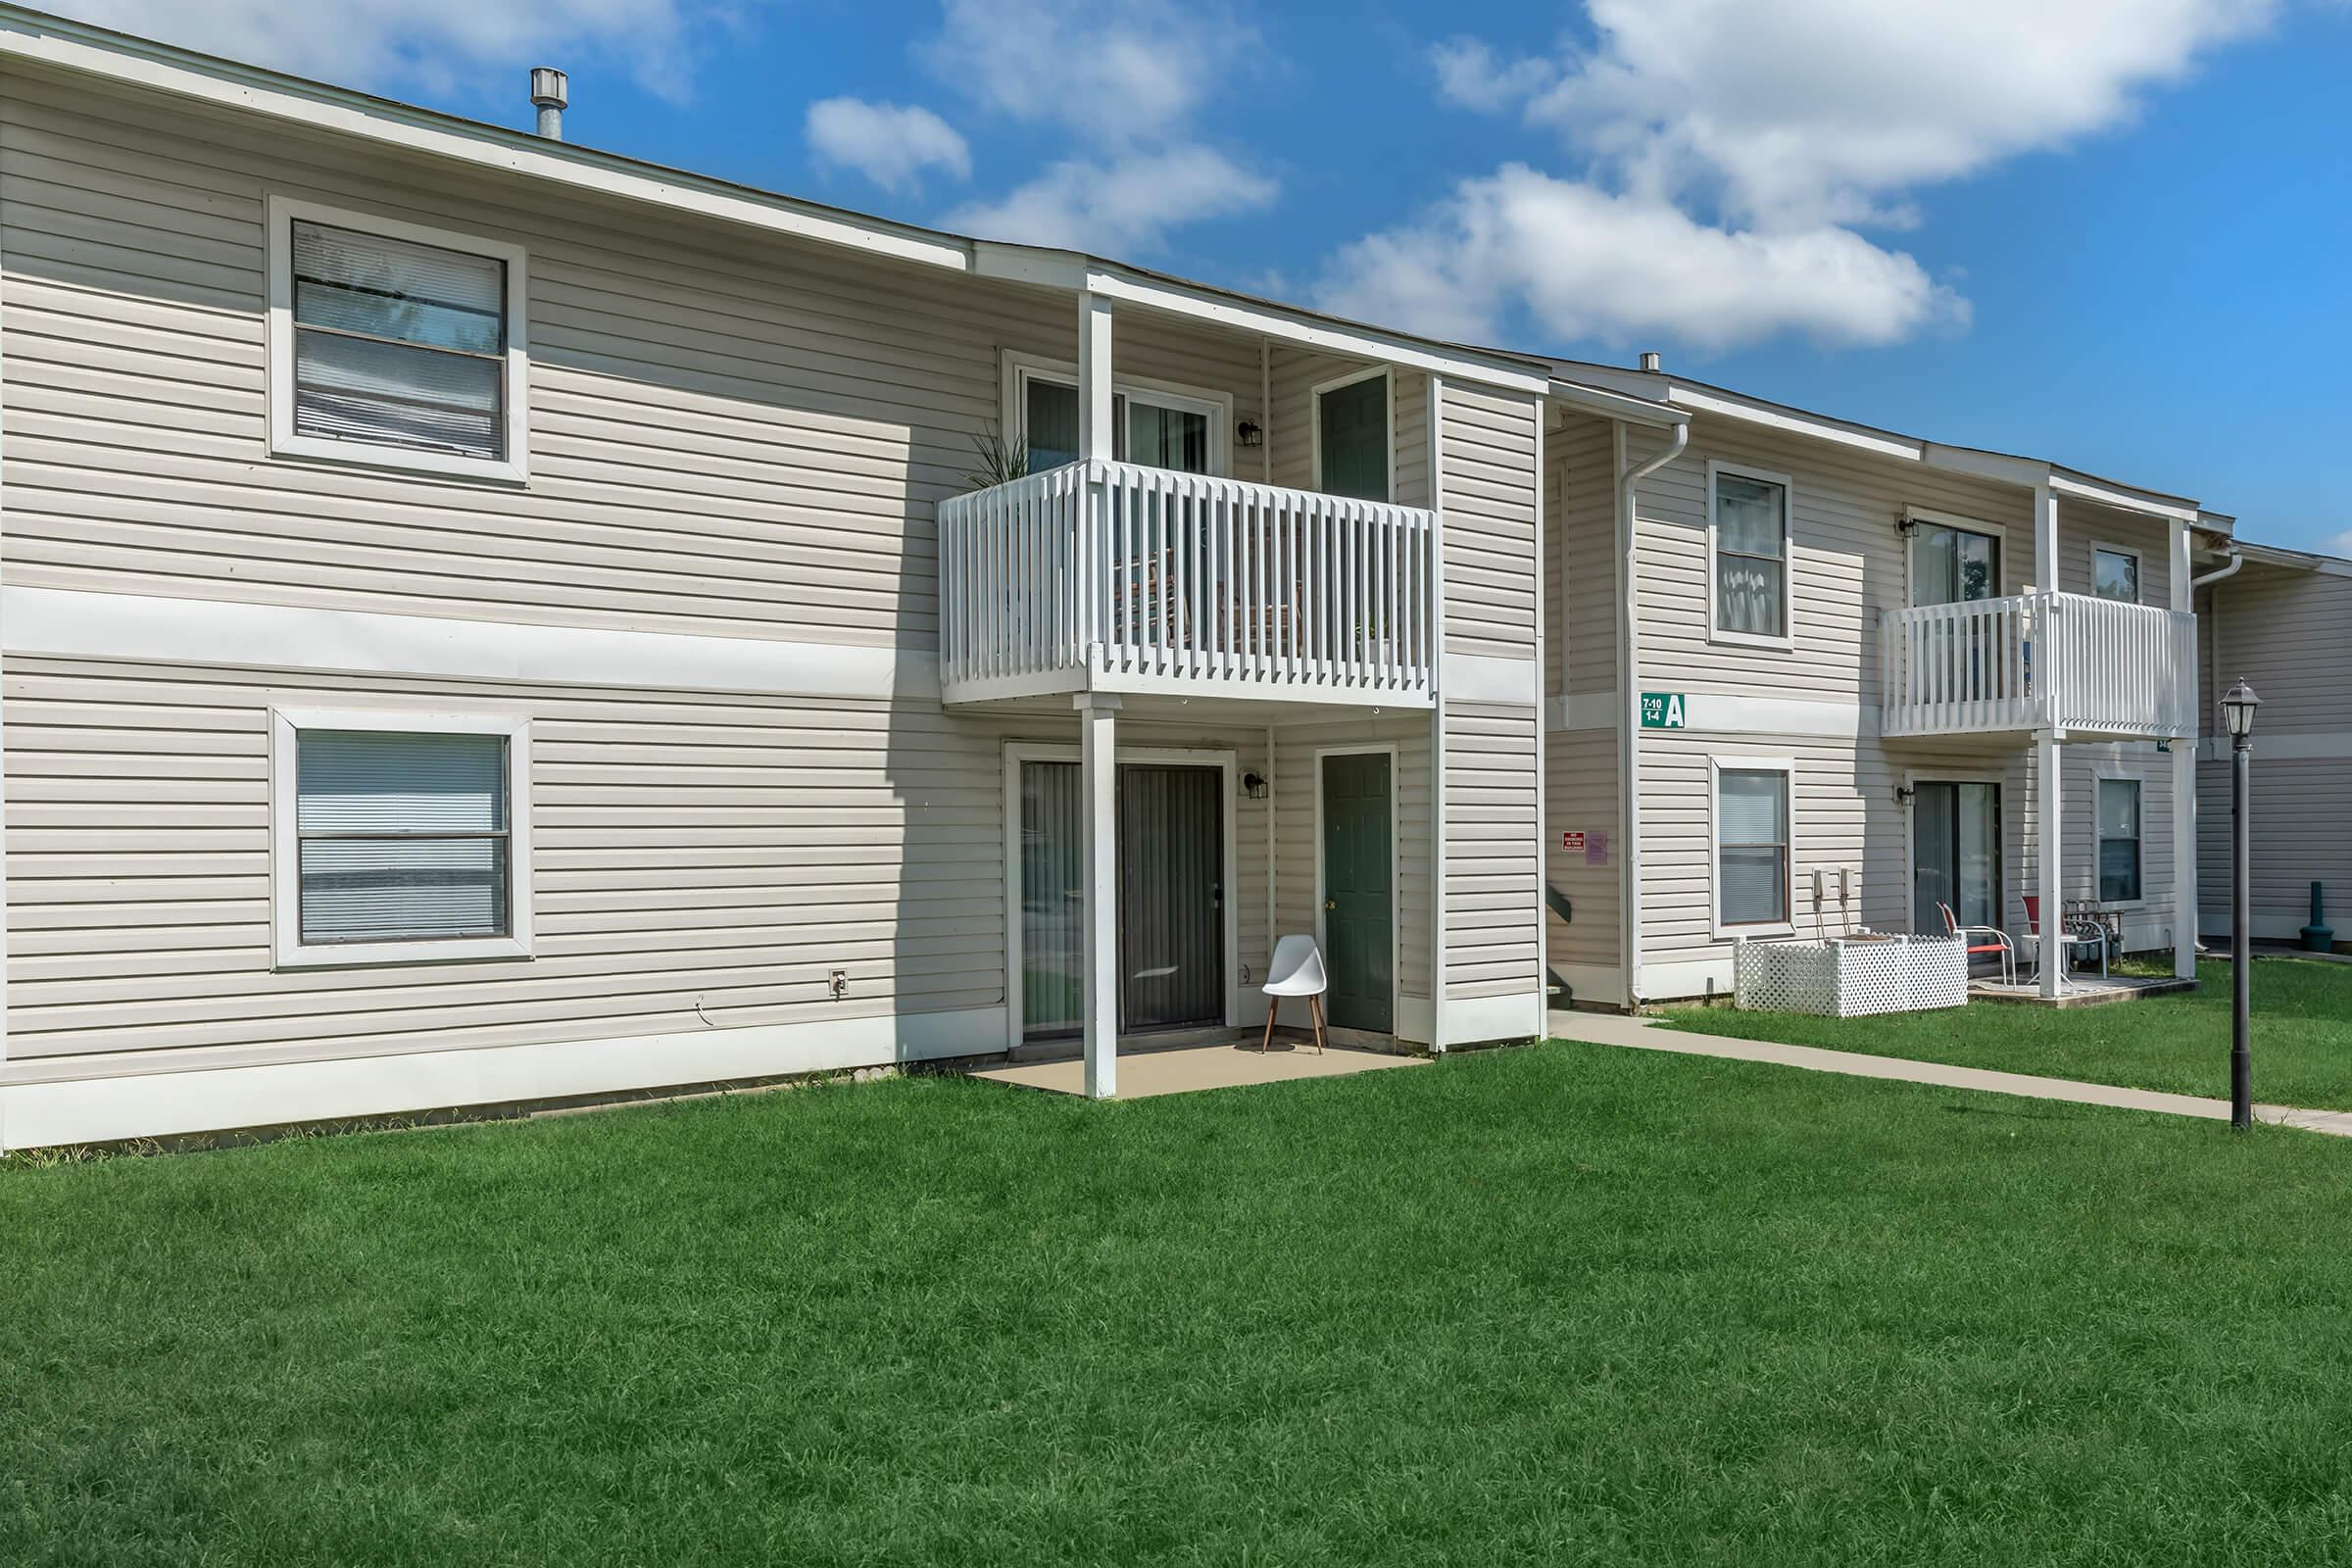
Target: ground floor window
1751, 846
400, 837
2119, 841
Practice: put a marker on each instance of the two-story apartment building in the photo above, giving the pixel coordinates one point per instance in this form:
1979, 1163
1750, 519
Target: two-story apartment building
2280, 621
486, 621
1804, 675
489, 620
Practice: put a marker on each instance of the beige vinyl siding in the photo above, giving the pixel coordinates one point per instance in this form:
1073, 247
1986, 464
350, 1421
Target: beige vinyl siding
1492, 863
2286, 632
2301, 834
1579, 584
687, 848
1488, 475
1295, 786
1580, 784
731, 435
1848, 562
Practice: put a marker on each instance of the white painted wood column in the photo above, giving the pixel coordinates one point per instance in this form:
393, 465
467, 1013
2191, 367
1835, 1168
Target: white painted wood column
1096, 443
2184, 783
2050, 801
1099, 784
2049, 780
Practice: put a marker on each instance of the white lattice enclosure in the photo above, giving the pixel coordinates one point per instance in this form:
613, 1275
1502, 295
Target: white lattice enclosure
1851, 976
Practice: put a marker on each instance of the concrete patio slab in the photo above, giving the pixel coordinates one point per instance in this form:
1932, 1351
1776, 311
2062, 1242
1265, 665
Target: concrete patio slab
1183, 1069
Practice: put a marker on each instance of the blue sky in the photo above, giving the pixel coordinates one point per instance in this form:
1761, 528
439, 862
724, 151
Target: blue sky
2112, 233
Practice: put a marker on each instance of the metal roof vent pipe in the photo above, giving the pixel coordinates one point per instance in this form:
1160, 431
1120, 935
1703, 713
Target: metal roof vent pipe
1651, 364
551, 90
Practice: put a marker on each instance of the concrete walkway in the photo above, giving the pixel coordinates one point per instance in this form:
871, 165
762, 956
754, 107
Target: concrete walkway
1643, 1033
1185, 1069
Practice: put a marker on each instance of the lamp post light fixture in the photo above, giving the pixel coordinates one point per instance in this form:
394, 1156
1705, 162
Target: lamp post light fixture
2238, 716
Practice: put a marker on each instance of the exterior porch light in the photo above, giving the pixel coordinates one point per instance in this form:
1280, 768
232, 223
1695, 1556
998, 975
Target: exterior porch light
1903, 794
2237, 717
1254, 785
1249, 434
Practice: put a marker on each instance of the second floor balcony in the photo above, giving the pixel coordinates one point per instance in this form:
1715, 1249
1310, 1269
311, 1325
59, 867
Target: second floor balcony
1114, 576
2069, 662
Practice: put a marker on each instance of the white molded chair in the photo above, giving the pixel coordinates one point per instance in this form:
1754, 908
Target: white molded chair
1296, 971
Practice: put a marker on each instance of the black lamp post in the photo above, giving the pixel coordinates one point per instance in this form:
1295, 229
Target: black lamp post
2238, 716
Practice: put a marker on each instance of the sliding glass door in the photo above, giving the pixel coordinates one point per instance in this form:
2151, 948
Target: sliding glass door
1955, 854
1171, 898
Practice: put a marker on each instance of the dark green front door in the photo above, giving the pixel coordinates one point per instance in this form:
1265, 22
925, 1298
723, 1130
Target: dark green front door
1358, 909
1351, 435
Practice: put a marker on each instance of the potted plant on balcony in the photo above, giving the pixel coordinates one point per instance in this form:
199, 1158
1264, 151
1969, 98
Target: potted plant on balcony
1001, 459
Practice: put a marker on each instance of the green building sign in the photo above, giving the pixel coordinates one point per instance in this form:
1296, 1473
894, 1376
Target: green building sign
1663, 710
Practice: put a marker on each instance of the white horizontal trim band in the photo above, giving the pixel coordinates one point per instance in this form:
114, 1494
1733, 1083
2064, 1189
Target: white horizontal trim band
1478, 679
1470, 1020
166, 1104
2285, 745
70, 624
1723, 713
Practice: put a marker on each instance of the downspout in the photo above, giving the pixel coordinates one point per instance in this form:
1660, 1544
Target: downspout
1629, 638
2213, 650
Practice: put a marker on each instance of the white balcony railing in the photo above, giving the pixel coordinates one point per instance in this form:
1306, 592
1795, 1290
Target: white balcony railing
1117, 577
2071, 661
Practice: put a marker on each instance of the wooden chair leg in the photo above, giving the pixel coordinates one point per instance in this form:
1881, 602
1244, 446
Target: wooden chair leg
1273, 1006
1314, 1006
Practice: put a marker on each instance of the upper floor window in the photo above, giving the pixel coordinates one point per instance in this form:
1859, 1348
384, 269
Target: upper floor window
1747, 556
2114, 573
1158, 426
1353, 430
1952, 565
400, 837
395, 345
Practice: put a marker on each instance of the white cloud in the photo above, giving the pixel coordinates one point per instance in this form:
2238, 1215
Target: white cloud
889, 144
2340, 545
1727, 154
1117, 70
1470, 76
1125, 81
1807, 109
1127, 204
418, 43
1590, 264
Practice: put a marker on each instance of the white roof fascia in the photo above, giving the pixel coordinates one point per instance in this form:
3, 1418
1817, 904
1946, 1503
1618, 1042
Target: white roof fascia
1617, 404
2295, 560
1235, 312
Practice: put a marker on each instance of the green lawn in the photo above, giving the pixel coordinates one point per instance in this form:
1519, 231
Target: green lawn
1558, 1304
2302, 1036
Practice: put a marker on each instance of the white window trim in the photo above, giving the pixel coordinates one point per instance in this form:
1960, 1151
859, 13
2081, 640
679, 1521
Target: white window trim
1314, 419
1717, 767
1386, 749
284, 442
1020, 368
1227, 762
2140, 570
1999, 532
1716, 632
2102, 775
285, 866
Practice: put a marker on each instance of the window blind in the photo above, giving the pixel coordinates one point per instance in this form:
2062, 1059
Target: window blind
1751, 835
400, 837
398, 344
